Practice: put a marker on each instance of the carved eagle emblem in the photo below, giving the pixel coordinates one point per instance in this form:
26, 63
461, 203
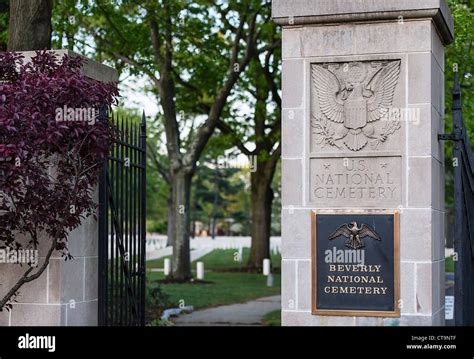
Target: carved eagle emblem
355, 234
355, 95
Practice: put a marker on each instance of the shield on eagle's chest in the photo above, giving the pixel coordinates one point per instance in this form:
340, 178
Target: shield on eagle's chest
355, 113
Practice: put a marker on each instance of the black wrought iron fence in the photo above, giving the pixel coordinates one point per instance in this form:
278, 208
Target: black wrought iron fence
122, 232
463, 162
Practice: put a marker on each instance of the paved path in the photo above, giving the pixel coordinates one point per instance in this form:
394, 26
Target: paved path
244, 314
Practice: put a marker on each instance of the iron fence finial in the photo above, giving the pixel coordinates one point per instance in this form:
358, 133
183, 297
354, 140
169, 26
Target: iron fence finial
143, 119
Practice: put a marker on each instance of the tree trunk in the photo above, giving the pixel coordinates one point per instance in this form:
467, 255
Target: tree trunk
262, 198
181, 192
30, 25
170, 227
215, 203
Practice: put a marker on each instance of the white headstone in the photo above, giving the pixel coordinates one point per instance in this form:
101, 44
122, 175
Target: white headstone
200, 270
167, 268
266, 266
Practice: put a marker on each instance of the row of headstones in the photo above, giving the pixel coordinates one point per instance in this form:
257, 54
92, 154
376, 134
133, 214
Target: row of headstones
156, 245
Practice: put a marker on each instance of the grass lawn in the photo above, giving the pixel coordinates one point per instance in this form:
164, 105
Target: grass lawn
157, 263
449, 264
227, 285
272, 319
227, 259
221, 259
227, 288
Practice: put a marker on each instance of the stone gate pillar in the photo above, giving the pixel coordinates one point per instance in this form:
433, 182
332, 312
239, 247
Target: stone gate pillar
66, 294
363, 104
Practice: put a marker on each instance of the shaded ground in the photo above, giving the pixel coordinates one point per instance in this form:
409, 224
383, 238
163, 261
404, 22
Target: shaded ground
250, 313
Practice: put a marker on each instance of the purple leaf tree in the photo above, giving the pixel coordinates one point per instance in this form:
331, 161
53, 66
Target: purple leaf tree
50, 154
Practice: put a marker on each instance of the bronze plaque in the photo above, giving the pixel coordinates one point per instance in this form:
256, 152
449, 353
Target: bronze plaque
355, 263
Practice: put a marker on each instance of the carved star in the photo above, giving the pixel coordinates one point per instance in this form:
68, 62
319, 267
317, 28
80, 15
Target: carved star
326, 166
383, 164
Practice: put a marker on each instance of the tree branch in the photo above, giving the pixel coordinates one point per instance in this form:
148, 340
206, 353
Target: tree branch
166, 88
155, 37
25, 278
271, 164
112, 24
223, 13
162, 170
227, 130
270, 78
107, 47
205, 131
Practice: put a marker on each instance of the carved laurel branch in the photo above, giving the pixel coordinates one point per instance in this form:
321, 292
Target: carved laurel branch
392, 125
324, 132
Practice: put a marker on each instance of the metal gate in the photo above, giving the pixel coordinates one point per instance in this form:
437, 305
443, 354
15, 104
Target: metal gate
122, 221
463, 214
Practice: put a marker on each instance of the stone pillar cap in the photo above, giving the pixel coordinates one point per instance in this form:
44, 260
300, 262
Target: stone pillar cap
309, 12
92, 69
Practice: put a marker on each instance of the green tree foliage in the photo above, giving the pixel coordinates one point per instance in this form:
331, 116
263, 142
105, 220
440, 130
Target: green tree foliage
4, 7
460, 57
174, 44
216, 197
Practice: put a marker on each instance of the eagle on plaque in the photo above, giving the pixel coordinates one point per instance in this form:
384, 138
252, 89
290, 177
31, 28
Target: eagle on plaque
355, 95
355, 234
